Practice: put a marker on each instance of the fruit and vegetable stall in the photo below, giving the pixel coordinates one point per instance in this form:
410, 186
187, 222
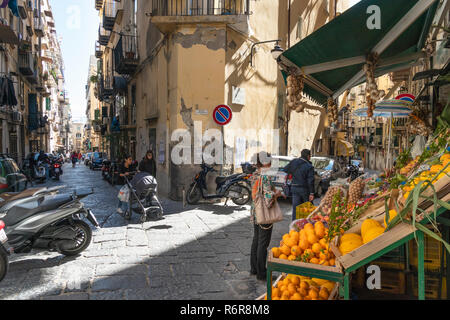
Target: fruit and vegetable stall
363, 220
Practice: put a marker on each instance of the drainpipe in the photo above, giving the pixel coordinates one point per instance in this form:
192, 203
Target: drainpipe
289, 24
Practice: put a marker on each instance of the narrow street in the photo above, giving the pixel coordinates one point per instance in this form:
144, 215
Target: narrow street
197, 252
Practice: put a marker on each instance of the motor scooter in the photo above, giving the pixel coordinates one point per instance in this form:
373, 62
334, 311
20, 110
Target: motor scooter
234, 187
44, 220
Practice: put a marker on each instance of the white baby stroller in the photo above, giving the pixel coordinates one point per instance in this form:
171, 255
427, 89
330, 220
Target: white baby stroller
143, 197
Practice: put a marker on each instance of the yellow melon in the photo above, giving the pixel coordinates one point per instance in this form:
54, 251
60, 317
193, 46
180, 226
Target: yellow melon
392, 215
349, 245
351, 236
368, 224
373, 233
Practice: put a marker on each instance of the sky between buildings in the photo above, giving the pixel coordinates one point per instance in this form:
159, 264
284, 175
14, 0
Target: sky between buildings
76, 23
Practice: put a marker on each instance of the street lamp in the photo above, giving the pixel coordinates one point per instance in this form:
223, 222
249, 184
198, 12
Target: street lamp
276, 51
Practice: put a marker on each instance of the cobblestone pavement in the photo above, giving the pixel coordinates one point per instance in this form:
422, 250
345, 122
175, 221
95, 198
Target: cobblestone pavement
196, 252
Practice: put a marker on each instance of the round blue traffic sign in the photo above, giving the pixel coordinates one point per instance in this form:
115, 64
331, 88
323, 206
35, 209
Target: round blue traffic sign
222, 115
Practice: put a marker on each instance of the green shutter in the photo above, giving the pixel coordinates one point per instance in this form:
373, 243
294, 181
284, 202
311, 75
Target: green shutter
97, 114
48, 105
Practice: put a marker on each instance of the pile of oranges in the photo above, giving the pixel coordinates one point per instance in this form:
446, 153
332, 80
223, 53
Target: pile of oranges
308, 245
295, 287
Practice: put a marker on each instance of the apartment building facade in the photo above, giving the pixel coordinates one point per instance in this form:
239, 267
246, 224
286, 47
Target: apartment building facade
166, 65
30, 58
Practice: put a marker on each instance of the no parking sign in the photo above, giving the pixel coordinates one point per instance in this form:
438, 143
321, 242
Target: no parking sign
222, 115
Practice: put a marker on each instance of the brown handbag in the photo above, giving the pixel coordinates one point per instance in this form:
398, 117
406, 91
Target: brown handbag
263, 213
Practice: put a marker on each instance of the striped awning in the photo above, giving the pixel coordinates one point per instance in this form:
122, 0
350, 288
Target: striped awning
388, 108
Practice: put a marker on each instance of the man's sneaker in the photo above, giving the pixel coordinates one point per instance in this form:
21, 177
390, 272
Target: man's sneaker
119, 210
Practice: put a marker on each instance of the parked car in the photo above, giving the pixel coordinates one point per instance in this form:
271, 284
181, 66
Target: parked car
87, 158
11, 177
96, 160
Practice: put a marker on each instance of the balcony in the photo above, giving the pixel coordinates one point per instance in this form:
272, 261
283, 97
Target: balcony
38, 26
106, 88
98, 4
199, 7
126, 56
109, 14
103, 36
98, 50
26, 63
167, 13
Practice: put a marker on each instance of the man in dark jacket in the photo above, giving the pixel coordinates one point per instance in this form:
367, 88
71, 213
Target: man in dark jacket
302, 172
148, 164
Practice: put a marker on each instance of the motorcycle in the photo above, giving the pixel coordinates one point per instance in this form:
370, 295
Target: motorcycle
234, 187
353, 172
44, 220
106, 165
56, 169
39, 172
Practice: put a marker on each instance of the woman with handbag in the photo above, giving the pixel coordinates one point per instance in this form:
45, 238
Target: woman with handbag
264, 212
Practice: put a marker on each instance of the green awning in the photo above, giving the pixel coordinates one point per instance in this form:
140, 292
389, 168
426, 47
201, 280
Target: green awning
332, 57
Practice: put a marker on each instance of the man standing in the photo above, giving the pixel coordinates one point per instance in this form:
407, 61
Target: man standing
302, 172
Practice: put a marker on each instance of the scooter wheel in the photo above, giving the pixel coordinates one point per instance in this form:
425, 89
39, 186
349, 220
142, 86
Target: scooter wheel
143, 218
83, 239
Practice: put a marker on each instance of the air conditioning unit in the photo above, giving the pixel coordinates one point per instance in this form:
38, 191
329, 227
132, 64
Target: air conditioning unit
16, 116
352, 97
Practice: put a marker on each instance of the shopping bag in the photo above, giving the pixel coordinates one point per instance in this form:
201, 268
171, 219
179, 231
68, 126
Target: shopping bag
124, 194
266, 213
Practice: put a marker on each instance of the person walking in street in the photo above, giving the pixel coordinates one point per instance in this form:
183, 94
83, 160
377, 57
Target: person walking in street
125, 170
148, 164
302, 187
74, 158
262, 234
43, 157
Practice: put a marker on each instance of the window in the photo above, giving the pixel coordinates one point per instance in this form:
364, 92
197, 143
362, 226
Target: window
299, 28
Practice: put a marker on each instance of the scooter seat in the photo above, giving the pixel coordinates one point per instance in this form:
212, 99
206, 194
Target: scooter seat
28, 208
11, 196
220, 180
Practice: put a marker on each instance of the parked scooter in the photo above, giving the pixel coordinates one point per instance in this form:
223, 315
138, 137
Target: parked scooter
233, 187
56, 169
106, 165
39, 172
45, 220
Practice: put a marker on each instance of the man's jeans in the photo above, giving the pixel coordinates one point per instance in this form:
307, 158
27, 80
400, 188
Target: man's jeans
298, 199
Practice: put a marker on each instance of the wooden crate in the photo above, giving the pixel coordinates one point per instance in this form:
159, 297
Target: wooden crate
433, 254
393, 282
367, 250
335, 269
431, 287
333, 294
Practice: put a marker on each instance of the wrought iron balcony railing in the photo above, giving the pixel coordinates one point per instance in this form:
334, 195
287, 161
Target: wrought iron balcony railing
103, 36
199, 7
98, 50
38, 26
26, 63
126, 55
109, 14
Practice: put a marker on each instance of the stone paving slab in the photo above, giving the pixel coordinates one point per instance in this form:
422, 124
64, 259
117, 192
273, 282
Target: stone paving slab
195, 253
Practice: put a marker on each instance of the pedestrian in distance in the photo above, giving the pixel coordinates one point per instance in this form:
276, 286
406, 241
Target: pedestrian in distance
262, 234
43, 157
74, 158
125, 169
148, 164
302, 187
